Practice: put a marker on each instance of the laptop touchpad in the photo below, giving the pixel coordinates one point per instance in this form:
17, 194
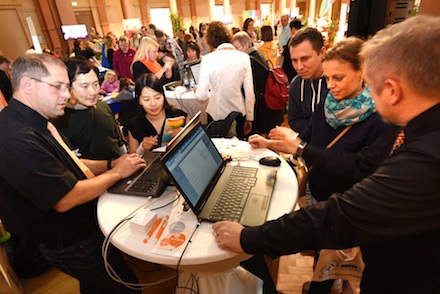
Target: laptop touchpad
257, 202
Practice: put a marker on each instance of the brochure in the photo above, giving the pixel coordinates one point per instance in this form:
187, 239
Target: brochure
176, 234
171, 124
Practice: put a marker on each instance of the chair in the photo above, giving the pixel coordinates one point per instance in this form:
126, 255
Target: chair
229, 127
9, 282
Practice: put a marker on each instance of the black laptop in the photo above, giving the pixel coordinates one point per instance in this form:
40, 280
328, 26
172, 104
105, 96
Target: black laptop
150, 181
212, 189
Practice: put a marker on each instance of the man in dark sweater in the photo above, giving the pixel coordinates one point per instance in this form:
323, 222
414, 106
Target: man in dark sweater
309, 87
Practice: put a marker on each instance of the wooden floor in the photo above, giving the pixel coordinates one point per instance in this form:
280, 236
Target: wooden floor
294, 271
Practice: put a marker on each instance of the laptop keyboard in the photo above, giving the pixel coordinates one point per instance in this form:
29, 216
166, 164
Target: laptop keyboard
148, 179
235, 193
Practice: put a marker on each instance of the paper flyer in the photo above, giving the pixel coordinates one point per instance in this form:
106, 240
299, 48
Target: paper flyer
171, 124
176, 234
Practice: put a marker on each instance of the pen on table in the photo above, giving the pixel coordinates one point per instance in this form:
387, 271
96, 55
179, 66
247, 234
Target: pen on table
162, 227
153, 228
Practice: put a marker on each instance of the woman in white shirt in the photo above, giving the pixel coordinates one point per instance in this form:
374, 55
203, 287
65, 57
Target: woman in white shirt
224, 72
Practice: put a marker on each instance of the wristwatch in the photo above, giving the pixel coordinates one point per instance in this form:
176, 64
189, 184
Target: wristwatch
301, 146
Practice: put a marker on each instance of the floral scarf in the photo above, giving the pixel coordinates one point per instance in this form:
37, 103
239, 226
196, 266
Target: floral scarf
348, 111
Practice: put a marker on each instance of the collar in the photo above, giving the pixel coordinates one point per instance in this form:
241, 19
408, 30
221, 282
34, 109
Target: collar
225, 46
250, 50
425, 122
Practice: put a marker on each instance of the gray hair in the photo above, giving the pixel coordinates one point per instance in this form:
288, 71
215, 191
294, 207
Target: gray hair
242, 38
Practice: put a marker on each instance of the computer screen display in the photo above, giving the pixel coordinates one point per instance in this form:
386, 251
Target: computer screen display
72, 32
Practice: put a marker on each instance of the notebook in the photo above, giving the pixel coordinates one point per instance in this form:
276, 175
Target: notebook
201, 176
194, 69
150, 181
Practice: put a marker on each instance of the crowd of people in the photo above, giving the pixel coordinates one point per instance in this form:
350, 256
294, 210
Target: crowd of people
347, 103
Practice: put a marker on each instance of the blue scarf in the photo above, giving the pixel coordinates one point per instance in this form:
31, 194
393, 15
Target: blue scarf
347, 112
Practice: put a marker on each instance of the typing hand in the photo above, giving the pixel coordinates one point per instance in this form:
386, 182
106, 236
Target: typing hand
127, 164
227, 235
149, 142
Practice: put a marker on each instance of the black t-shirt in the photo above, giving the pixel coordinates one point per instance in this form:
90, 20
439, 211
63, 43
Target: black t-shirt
93, 131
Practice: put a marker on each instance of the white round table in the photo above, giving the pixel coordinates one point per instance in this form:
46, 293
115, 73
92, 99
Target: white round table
203, 255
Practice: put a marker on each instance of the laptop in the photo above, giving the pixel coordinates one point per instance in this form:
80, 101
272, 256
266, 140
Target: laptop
202, 177
193, 68
150, 181
171, 86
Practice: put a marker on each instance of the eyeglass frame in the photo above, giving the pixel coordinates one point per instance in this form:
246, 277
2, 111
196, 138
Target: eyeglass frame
58, 87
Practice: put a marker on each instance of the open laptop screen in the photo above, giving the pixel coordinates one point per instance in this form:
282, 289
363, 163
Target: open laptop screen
194, 163
194, 68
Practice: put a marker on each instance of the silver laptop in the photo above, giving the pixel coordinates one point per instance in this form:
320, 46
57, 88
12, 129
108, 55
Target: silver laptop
206, 182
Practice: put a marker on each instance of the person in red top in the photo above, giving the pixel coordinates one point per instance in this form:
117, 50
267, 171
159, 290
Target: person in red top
123, 58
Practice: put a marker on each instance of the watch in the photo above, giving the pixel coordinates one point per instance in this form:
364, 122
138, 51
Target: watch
301, 146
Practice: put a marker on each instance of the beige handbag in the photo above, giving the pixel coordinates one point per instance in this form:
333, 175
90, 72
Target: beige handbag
302, 171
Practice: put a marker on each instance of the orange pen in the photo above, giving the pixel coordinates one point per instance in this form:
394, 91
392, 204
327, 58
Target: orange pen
153, 228
162, 227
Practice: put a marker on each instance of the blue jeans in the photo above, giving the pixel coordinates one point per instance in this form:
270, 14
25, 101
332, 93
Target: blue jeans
83, 261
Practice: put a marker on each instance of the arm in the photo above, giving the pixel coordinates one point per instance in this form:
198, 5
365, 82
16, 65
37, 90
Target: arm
295, 111
203, 86
110, 57
390, 204
89, 189
115, 63
352, 165
249, 93
133, 144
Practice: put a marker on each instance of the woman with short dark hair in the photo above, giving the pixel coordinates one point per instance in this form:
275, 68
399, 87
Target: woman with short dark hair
269, 49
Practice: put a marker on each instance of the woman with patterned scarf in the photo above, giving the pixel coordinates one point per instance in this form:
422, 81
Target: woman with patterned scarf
348, 103
145, 61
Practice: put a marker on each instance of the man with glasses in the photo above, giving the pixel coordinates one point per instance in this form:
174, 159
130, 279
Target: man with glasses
47, 195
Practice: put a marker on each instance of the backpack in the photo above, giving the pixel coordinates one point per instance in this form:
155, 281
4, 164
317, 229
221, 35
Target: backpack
277, 87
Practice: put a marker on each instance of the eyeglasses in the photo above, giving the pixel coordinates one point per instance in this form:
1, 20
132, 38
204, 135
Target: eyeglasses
59, 87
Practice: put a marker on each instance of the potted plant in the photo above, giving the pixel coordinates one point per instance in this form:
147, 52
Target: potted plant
176, 23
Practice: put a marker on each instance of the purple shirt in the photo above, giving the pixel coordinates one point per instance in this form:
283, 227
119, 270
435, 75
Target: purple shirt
122, 63
110, 87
